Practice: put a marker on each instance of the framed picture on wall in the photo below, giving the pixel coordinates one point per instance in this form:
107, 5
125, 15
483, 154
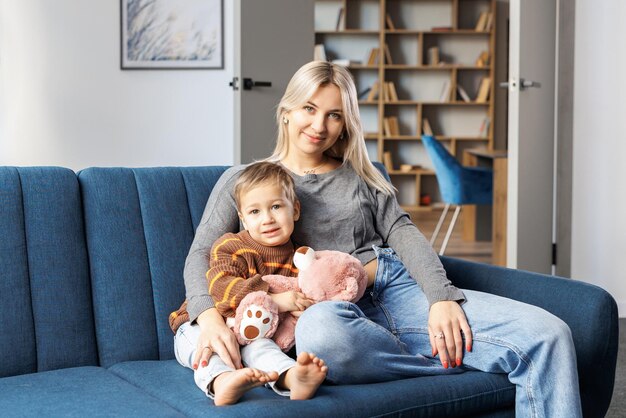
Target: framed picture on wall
172, 34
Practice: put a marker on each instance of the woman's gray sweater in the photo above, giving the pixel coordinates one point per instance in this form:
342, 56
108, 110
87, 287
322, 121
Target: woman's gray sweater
339, 211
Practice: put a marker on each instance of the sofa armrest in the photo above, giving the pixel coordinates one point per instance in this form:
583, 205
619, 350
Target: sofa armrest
590, 312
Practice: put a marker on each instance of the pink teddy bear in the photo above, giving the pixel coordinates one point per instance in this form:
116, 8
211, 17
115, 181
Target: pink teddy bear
323, 275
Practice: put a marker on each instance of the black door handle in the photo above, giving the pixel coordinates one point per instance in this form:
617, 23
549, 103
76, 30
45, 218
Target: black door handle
248, 83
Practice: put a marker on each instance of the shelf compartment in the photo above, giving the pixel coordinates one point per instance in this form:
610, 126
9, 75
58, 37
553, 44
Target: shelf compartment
418, 15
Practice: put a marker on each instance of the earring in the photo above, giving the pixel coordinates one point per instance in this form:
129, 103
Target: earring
285, 120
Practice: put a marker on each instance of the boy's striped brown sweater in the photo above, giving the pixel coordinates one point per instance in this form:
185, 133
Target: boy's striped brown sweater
237, 265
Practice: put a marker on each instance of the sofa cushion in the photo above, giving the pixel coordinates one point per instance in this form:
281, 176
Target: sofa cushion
139, 225
45, 296
77, 392
452, 395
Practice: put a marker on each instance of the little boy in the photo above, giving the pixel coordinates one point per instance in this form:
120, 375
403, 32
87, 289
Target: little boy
268, 207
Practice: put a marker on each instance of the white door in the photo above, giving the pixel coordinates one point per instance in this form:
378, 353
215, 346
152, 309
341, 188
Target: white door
531, 134
273, 38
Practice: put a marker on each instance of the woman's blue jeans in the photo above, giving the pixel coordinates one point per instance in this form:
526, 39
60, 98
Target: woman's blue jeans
385, 337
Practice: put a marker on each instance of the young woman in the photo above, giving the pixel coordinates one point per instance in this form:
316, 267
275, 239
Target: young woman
412, 320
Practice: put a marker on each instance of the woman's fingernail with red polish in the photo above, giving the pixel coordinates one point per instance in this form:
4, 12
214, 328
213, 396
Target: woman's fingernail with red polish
468, 348
195, 366
204, 363
445, 364
458, 362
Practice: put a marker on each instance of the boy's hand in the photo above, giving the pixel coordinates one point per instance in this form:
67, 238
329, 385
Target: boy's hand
291, 301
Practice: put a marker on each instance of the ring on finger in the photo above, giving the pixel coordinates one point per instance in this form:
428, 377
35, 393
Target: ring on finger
440, 335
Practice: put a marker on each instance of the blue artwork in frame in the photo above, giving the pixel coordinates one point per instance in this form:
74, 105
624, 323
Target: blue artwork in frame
172, 34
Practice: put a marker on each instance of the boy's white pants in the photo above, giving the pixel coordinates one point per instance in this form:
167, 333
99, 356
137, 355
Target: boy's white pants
262, 354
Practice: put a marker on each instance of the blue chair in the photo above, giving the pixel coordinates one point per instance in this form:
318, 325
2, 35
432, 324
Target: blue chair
458, 185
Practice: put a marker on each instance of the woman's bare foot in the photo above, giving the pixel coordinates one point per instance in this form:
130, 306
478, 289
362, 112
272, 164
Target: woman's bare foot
230, 386
305, 377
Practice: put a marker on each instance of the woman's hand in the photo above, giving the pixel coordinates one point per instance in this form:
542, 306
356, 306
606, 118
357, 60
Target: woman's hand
446, 320
291, 301
216, 337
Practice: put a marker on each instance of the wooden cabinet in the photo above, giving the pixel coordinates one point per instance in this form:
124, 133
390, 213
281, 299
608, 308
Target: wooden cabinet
419, 65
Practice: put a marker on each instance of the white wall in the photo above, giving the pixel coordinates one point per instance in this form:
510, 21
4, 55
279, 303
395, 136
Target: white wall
599, 153
64, 100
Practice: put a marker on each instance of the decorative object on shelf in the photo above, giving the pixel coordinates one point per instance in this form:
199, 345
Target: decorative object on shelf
433, 55
426, 129
171, 35
483, 59
425, 199
407, 168
319, 52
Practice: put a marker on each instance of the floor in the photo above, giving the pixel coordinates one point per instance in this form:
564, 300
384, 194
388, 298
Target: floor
479, 251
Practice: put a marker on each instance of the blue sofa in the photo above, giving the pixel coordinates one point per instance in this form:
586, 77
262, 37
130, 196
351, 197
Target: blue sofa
91, 266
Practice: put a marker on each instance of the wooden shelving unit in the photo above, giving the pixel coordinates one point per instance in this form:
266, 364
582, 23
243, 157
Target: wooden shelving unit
414, 33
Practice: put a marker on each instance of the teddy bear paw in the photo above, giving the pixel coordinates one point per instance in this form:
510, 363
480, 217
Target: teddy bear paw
255, 323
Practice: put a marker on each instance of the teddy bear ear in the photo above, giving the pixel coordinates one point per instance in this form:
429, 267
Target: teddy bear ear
303, 257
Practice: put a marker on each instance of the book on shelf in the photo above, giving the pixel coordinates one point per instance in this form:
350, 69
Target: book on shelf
483, 132
319, 53
445, 92
389, 92
482, 21
426, 129
390, 125
483, 59
392, 95
390, 24
372, 58
387, 55
441, 29
388, 160
364, 93
433, 55
373, 93
463, 94
483, 90
489, 21
340, 20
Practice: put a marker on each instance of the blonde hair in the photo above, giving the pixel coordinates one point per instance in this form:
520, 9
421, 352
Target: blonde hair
262, 173
350, 147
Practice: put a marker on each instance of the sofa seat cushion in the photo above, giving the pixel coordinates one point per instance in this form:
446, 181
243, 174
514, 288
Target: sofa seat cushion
77, 392
452, 395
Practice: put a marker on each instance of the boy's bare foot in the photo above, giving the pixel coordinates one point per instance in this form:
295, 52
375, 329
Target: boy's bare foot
305, 377
230, 386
